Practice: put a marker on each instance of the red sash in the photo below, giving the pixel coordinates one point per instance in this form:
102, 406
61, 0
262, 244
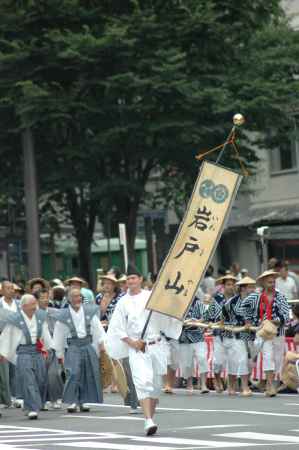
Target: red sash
266, 305
41, 348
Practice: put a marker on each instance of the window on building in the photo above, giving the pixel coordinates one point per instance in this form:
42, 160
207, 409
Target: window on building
285, 156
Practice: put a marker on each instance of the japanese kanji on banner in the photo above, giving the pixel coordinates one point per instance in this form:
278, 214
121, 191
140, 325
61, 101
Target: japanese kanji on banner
196, 241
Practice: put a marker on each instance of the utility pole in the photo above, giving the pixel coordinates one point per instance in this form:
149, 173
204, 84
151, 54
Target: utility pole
31, 205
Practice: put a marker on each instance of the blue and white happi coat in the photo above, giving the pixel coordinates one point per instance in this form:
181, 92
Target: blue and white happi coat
233, 314
111, 307
214, 312
192, 335
280, 310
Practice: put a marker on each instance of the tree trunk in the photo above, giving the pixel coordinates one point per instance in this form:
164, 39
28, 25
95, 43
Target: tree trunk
31, 206
53, 253
85, 258
83, 216
131, 224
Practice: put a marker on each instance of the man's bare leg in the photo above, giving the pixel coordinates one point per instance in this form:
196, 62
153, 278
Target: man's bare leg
146, 405
203, 383
270, 389
246, 392
232, 380
154, 402
169, 380
218, 383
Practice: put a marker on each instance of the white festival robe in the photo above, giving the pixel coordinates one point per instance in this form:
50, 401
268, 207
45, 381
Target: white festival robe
128, 320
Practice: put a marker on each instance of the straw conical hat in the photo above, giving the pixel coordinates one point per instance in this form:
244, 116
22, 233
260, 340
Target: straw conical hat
109, 277
226, 277
267, 273
122, 279
75, 280
245, 281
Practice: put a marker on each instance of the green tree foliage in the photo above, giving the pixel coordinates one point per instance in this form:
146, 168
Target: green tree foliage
115, 92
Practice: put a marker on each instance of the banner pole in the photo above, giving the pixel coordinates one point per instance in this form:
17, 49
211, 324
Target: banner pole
238, 120
146, 324
123, 242
228, 141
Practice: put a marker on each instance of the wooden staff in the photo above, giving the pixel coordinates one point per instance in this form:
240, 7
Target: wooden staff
218, 326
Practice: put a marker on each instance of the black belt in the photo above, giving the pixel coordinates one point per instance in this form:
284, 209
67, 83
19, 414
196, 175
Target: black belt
153, 342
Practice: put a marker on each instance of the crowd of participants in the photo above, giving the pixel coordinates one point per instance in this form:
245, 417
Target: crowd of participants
55, 336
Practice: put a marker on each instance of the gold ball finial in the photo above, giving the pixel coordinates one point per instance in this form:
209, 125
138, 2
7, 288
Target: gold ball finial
238, 119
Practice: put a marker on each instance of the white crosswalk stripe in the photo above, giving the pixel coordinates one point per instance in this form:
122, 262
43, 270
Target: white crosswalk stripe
35, 438
261, 437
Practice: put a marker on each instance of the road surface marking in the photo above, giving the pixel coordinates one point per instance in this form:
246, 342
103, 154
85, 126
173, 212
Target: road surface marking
202, 427
104, 417
194, 442
58, 438
232, 411
108, 445
261, 436
9, 447
202, 444
17, 429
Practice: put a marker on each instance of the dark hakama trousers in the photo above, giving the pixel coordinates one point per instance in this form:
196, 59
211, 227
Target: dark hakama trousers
12, 379
32, 377
5, 395
83, 384
55, 384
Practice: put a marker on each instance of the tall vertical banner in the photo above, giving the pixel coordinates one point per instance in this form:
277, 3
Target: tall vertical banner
194, 246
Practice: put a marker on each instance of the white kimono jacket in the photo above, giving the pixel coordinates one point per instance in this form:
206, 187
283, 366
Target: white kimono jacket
62, 332
128, 320
12, 337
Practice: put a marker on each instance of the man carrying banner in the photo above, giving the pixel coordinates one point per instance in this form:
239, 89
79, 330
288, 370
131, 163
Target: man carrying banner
223, 349
270, 305
147, 356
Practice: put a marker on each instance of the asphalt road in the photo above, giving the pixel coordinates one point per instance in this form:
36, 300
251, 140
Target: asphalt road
185, 422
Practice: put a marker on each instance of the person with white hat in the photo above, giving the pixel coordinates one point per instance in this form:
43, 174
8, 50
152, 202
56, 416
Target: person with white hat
107, 300
269, 305
108, 297
214, 314
233, 314
79, 283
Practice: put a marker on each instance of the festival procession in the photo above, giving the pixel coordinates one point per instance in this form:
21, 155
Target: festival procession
149, 223
64, 346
